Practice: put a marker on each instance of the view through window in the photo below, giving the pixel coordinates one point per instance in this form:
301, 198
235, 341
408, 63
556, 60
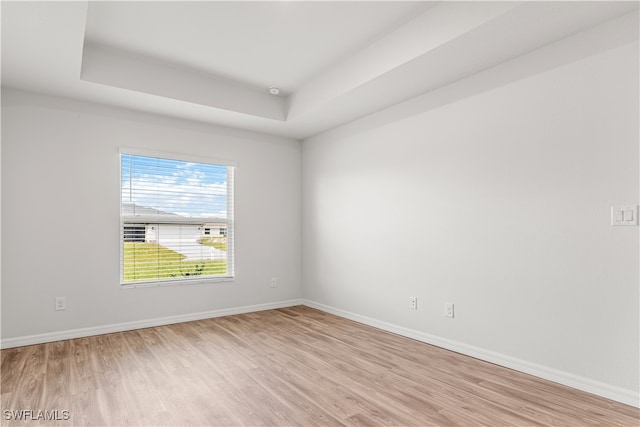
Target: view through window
176, 219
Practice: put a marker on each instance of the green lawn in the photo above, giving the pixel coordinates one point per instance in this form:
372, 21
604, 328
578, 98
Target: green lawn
144, 261
218, 243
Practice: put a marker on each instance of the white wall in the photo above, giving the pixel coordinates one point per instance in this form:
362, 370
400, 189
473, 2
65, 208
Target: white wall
60, 213
498, 202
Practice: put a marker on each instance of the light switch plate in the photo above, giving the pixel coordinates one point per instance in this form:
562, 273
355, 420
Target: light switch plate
624, 215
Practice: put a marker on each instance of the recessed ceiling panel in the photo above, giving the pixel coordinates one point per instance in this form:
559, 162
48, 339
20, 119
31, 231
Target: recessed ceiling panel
334, 61
255, 43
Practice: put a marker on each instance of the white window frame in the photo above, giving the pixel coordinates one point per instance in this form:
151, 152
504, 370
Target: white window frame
230, 276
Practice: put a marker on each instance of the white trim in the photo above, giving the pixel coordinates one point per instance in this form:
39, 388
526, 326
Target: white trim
139, 324
184, 157
182, 281
628, 397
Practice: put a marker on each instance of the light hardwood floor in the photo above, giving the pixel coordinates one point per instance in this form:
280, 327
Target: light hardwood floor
287, 367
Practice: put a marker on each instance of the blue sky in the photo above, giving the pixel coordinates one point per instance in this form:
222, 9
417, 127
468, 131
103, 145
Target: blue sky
185, 188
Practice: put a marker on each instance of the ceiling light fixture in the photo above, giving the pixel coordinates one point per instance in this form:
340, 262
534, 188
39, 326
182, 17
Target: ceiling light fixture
274, 90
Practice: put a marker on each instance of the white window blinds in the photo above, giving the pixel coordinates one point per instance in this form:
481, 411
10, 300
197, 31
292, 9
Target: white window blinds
176, 219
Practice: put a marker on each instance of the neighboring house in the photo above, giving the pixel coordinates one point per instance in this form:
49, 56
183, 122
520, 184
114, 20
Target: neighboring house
142, 224
211, 229
176, 232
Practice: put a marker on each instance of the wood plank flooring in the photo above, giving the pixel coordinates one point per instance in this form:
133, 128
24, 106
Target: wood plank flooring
288, 367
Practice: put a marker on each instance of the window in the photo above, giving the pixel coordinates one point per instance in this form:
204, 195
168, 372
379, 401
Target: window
134, 233
165, 203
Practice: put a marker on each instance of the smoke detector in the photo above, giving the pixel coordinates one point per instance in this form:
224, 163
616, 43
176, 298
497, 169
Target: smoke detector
273, 90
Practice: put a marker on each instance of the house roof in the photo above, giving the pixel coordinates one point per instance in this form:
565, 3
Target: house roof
131, 209
132, 213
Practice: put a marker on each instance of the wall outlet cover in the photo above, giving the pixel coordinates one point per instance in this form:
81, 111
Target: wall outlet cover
448, 309
624, 215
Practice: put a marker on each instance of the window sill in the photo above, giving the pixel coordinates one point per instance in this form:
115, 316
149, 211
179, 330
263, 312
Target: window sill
177, 282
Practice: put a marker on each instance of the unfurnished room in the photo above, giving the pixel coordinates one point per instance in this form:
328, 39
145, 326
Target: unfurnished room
320, 213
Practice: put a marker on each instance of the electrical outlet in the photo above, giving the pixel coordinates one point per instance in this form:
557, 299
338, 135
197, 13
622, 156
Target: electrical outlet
274, 282
61, 303
413, 303
448, 309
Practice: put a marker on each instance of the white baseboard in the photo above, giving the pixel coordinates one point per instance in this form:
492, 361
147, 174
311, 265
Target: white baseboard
628, 397
128, 326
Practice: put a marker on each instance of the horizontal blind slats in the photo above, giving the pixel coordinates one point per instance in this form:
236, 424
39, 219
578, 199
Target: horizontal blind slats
176, 220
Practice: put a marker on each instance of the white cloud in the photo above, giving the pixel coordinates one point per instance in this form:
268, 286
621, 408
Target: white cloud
186, 193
